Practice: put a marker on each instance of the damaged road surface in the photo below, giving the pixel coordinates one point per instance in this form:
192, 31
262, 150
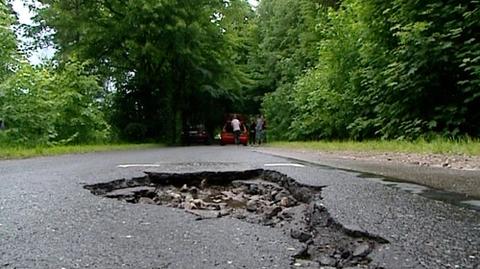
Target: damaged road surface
257, 196
219, 207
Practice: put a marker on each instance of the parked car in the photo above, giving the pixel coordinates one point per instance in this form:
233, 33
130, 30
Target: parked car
195, 134
227, 136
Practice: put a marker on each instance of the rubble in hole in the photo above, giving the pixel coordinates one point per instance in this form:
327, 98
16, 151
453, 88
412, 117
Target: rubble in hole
257, 196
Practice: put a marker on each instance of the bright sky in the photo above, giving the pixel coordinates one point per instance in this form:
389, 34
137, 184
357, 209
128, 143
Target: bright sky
254, 3
25, 17
24, 14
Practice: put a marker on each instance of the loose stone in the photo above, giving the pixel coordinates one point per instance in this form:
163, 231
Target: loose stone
362, 250
301, 235
184, 188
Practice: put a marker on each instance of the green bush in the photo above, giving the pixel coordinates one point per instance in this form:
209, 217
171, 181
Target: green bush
45, 106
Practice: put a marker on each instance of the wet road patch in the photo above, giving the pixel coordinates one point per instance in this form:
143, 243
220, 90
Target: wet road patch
458, 199
258, 196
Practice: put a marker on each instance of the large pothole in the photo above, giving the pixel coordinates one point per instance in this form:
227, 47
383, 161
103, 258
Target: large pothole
258, 196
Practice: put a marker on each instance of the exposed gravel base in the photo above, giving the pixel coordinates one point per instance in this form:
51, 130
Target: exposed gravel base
260, 197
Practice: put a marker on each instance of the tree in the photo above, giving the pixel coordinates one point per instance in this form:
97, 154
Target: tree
8, 43
397, 69
48, 106
163, 57
288, 38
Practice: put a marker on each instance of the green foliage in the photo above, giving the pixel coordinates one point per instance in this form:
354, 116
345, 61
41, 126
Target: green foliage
8, 45
280, 111
465, 147
427, 84
164, 58
46, 106
322, 69
22, 151
323, 96
396, 69
286, 46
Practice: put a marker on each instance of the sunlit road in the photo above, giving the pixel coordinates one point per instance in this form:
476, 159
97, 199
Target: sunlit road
48, 220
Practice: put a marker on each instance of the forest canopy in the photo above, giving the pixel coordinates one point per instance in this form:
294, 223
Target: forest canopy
318, 69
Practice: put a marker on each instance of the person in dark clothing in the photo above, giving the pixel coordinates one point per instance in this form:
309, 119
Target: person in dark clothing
259, 130
264, 131
252, 133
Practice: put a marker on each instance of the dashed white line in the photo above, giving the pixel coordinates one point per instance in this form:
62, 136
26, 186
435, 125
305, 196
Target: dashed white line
284, 164
158, 165
138, 165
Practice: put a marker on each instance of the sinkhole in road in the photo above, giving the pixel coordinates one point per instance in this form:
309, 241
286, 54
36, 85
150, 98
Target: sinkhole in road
259, 196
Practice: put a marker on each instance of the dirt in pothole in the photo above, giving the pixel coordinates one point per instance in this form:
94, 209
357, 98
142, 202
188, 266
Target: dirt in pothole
257, 196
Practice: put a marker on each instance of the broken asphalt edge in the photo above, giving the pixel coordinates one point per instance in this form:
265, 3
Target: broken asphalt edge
219, 178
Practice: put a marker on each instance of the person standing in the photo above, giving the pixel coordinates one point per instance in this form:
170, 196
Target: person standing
252, 137
259, 130
236, 129
264, 130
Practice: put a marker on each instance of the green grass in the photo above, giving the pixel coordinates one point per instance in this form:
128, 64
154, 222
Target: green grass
469, 147
7, 152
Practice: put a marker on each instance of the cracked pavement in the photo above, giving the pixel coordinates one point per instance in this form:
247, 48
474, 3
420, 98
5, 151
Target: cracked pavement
48, 220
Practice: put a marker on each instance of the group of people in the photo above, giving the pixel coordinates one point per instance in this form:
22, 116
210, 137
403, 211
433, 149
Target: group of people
257, 130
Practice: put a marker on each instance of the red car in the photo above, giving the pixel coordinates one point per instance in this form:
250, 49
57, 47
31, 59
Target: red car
227, 136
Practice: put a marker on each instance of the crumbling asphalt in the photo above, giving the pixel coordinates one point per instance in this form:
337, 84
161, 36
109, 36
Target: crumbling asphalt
48, 220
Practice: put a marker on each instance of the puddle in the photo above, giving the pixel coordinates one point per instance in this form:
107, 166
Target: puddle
258, 196
457, 199
409, 187
454, 198
475, 203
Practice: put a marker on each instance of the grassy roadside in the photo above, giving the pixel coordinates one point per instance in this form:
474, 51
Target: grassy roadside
439, 146
24, 152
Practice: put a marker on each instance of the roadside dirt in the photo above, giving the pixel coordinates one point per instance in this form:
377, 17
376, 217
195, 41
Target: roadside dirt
459, 162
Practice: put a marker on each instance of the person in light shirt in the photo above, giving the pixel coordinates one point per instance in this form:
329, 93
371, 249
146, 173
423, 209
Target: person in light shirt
236, 129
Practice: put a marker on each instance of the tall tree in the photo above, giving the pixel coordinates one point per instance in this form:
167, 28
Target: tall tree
163, 57
287, 47
8, 43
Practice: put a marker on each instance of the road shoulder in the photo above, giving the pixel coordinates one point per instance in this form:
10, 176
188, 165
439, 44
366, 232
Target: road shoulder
454, 180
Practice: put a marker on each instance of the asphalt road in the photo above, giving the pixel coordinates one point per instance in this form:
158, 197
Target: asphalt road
48, 220
455, 180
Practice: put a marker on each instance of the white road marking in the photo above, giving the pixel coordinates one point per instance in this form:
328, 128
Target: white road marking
158, 165
284, 164
138, 165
